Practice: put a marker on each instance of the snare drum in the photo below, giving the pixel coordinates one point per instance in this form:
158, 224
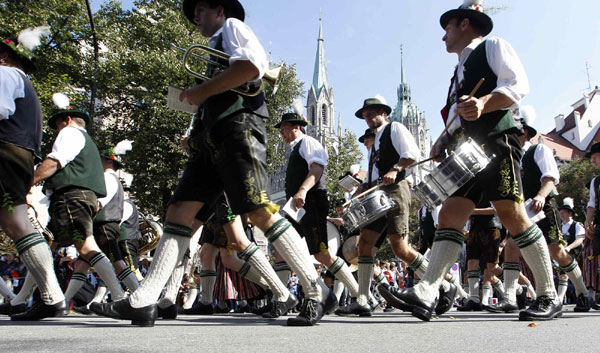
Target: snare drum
450, 175
367, 210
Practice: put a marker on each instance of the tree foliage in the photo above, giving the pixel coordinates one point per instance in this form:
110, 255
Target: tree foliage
343, 151
135, 68
575, 178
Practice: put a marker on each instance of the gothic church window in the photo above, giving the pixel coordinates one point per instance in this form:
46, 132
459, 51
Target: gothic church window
324, 114
312, 115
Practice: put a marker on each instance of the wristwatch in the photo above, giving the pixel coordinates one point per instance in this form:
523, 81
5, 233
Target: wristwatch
396, 168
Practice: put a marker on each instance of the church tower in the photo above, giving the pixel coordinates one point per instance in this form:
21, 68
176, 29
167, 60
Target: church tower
320, 104
407, 113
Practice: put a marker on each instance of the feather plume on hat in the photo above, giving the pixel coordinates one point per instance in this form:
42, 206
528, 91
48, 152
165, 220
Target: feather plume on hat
568, 201
380, 98
60, 100
528, 114
30, 38
298, 107
122, 147
468, 3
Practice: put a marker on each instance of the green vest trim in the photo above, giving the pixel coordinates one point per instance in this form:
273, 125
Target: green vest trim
489, 124
84, 171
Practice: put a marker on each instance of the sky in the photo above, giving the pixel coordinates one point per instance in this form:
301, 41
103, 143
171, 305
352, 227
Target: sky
554, 39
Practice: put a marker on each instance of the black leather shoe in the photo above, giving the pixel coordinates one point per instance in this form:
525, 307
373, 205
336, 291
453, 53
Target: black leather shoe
446, 300
503, 306
310, 314
583, 304
470, 305
390, 295
122, 310
281, 308
168, 313
388, 309
262, 310
7, 309
331, 303
522, 298
543, 308
82, 310
39, 310
596, 305
354, 309
200, 309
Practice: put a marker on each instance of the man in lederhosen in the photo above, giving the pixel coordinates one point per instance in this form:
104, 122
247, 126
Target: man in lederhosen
573, 232
305, 184
486, 118
20, 142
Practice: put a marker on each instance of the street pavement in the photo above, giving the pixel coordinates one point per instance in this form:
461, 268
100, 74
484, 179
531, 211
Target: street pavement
383, 332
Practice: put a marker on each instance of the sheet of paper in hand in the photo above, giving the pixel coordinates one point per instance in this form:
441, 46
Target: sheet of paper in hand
290, 210
174, 103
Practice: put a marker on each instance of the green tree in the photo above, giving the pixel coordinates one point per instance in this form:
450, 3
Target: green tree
343, 151
575, 178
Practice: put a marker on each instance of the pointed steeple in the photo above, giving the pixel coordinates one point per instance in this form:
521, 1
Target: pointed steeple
320, 75
402, 77
403, 88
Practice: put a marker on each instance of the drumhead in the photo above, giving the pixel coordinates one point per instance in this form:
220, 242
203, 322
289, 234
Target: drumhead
350, 249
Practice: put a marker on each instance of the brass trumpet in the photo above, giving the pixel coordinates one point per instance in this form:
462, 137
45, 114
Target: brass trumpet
271, 76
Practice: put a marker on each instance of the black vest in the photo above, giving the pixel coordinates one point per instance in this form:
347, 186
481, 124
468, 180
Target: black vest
24, 127
426, 223
132, 224
480, 222
531, 175
489, 124
597, 205
228, 103
387, 156
113, 210
570, 236
297, 170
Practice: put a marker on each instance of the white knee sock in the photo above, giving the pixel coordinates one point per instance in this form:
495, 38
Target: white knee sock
283, 271
6, 292
486, 294
258, 270
28, 287
473, 278
512, 270
191, 298
574, 273
173, 284
207, 283
286, 240
173, 245
535, 252
444, 252
35, 254
365, 274
100, 293
77, 281
342, 272
563, 284
338, 289
499, 286
105, 269
128, 277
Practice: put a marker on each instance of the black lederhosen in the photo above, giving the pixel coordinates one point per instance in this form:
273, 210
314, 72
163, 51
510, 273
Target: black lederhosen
550, 225
232, 158
16, 174
313, 225
213, 232
107, 235
130, 249
483, 245
71, 211
501, 179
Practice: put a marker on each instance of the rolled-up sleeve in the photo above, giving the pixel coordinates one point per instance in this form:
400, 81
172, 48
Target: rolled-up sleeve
505, 63
242, 44
404, 142
545, 160
12, 87
313, 152
67, 146
592, 201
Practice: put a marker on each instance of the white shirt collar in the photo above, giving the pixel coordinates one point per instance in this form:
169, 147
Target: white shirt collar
377, 130
569, 222
213, 40
469, 49
526, 146
298, 139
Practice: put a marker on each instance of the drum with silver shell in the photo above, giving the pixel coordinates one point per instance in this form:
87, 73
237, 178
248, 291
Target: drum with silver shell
364, 211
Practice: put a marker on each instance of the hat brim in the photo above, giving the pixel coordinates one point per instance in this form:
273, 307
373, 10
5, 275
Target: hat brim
363, 137
294, 121
28, 65
116, 163
566, 208
71, 113
234, 7
531, 132
480, 17
386, 107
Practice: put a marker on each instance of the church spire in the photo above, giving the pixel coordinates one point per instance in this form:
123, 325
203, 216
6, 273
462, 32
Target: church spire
402, 77
403, 88
320, 75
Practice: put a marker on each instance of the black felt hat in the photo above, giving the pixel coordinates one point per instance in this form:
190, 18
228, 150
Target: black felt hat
70, 111
26, 56
373, 102
368, 132
109, 154
233, 7
568, 205
292, 118
471, 9
595, 149
531, 131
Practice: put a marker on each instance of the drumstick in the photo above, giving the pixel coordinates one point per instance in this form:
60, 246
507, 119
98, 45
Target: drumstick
456, 114
361, 195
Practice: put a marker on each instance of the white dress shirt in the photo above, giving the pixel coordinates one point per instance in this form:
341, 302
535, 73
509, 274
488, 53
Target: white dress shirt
579, 230
402, 140
311, 150
544, 159
592, 201
112, 186
69, 142
241, 43
505, 63
12, 87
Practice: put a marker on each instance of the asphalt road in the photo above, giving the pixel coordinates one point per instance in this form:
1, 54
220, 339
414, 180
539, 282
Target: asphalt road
384, 332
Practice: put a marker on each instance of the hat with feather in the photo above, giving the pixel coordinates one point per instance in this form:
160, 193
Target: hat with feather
115, 153
295, 117
378, 101
233, 8
473, 10
25, 44
568, 205
528, 117
65, 109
